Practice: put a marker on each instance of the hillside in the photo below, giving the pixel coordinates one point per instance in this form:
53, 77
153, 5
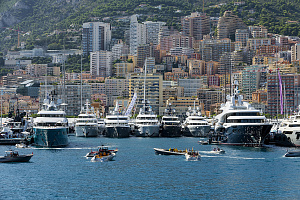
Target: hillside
38, 19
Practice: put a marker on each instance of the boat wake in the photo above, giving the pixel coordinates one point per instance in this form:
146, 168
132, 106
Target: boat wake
65, 148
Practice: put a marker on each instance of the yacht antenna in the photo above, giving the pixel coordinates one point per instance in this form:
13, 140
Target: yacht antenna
145, 81
81, 82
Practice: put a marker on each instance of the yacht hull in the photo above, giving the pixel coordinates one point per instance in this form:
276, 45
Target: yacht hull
52, 137
170, 131
147, 131
196, 131
246, 135
86, 131
117, 132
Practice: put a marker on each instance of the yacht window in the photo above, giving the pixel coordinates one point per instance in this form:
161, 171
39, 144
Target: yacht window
294, 125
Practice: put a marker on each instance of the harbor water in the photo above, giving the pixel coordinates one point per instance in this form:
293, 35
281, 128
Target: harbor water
137, 173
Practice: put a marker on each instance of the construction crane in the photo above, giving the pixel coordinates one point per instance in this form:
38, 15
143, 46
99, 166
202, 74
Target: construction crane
18, 30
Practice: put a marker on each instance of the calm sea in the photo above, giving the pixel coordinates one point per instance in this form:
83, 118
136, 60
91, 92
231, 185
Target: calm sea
137, 173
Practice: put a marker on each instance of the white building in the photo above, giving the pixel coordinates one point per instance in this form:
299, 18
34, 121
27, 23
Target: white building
96, 36
190, 86
137, 34
119, 50
101, 63
152, 30
295, 52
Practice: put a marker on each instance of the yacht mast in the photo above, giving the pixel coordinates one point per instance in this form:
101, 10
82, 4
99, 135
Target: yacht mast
145, 81
81, 82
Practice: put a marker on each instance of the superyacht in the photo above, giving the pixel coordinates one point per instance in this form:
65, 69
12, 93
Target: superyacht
116, 124
240, 123
86, 125
170, 124
147, 122
51, 126
195, 125
291, 129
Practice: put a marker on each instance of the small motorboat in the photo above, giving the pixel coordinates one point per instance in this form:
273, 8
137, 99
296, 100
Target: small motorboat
192, 155
21, 145
103, 156
13, 156
292, 154
100, 149
169, 151
217, 151
203, 142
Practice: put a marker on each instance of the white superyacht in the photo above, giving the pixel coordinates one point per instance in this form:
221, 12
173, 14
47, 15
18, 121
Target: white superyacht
116, 124
86, 125
291, 128
147, 122
195, 125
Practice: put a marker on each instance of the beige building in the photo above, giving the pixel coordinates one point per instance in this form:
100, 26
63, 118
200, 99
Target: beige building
228, 24
295, 52
123, 68
154, 89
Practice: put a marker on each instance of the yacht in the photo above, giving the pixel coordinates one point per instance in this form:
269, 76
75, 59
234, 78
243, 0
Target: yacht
240, 123
195, 125
116, 124
51, 126
147, 122
101, 126
291, 129
86, 125
170, 124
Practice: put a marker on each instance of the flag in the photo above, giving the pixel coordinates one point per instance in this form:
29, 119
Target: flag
280, 89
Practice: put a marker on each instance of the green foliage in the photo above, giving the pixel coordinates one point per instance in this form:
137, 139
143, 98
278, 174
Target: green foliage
73, 63
57, 24
1, 60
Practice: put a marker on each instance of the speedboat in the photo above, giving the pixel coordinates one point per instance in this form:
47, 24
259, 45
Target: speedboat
13, 156
292, 154
217, 151
100, 149
169, 151
192, 155
103, 156
21, 145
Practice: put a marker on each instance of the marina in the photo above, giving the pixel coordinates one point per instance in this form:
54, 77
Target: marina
256, 172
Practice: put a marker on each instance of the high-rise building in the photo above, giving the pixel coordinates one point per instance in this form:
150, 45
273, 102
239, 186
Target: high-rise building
119, 50
228, 24
152, 30
143, 51
288, 91
196, 25
242, 35
154, 89
295, 52
258, 31
213, 49
101, 63
96, 36
190, 86
137, 34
